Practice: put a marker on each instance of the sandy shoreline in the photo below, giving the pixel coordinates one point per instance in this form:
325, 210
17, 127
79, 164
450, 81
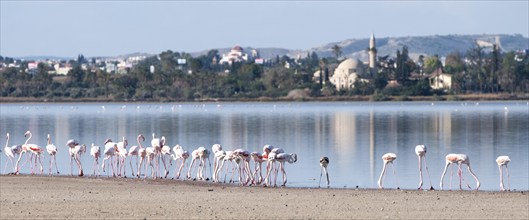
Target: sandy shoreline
43, 197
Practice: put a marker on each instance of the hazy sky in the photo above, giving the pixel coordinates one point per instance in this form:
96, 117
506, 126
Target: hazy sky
102, 28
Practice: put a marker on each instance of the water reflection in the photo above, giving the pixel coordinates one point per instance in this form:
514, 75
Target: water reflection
353, 135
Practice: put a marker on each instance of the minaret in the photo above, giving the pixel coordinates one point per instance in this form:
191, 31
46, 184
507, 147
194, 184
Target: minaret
372, 52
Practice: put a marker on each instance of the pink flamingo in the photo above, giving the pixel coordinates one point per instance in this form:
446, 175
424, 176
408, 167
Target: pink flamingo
52, 151
166, 152
231, 158
34, 149
150, 154
324, 162
387, 158
75, 150
460, 159
179, 154
503, 161
282, 158
109, 152
420, 150
134, 151
96, 153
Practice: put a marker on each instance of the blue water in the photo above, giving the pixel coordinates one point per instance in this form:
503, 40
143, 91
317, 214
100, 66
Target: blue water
354, 135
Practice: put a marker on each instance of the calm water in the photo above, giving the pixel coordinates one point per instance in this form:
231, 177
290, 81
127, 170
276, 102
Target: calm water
354, 135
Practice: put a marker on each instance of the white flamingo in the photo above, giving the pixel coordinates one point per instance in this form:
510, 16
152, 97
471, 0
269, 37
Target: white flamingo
179, 154
122, 155
324, 162
258, 160
271, 163
503, 161
157, 144
52, 151
231, 158
245, 171
109, 152
134, 152
387, 158
95, 151
34, 149
460, 159
150, 154
166, 152
200, 154
420, 150
11, 152
75, 150
282, 158
217, 152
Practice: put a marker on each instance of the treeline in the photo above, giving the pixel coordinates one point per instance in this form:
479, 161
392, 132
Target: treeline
475, 71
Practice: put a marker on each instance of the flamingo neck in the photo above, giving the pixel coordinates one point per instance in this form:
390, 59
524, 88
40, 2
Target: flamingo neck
7, 141
28, 139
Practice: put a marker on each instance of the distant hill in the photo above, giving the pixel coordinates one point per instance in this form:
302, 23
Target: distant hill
441, 45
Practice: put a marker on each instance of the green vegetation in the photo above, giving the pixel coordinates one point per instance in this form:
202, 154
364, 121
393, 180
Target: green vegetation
201, 78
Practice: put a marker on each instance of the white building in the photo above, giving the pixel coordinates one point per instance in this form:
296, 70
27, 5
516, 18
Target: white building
347, 73
235, 55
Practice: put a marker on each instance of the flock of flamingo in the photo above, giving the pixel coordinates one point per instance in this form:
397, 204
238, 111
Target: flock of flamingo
237, 162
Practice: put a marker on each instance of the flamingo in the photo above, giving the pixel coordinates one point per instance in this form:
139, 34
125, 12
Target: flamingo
218, 154
52, 151
109, 152
245, 157
282, 158
149, 153
134, 151
271, 163
420, 150
179, 153
157, 144
200, 154
32, 148
122, 155
75, 150
387, 158
164, 152
10, 152
95, 152
258, 160
232, 158
324, 162
503, 161
460, 159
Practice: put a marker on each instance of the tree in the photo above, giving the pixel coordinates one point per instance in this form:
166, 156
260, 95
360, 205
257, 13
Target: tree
454, 63
337, 51
432, 63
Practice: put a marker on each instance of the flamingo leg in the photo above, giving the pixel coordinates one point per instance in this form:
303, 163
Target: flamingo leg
71, 158
55, 160
327, 174
190, 168
508, 181
321, 174
282, 166
501, 179
380, 179
460, 175
420, 173
139, 166
40, 162
395, 174
428, 172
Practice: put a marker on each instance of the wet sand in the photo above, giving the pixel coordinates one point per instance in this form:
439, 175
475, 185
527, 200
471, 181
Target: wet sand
62, 197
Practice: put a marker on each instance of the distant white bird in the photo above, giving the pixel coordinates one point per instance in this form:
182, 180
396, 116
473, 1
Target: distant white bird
52, 151
503, 161
324, 162
387, 158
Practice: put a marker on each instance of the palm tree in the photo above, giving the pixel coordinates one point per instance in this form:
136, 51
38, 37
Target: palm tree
337, 51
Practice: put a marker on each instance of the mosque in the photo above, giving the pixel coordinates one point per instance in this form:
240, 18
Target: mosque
351, 70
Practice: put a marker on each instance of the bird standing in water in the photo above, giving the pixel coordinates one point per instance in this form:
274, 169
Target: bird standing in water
324, 161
